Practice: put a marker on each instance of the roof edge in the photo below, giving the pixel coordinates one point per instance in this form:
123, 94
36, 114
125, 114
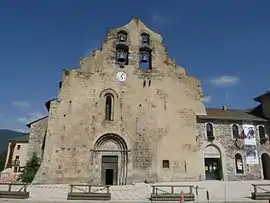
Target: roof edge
29, 124
259, 98
230, 118
48, 103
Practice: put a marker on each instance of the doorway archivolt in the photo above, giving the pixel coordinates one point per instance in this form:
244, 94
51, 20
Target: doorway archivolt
112, 153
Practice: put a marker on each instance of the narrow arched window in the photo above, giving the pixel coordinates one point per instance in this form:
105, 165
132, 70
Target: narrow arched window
239, 164
235, 131
261, 133
209, 131
108, 107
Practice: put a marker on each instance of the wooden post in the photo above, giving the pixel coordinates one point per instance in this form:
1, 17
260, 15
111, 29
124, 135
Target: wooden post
9, 187
24, 187
89, 188
255, 189
71, 188
172, 189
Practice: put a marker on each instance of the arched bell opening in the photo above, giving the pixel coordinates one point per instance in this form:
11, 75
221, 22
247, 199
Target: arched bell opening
122, 36
145, 39
121, 54
145, 59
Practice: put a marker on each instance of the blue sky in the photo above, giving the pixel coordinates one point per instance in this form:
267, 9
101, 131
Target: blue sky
225, 43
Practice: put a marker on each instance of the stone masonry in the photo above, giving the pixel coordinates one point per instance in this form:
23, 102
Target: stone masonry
154, 118
37, 137
228, 147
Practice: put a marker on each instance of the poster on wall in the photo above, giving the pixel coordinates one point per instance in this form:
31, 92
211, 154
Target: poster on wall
249, 134
251, 154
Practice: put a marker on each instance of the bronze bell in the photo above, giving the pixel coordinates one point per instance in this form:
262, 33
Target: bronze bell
144, 58
122, 37
145, 39
121, 56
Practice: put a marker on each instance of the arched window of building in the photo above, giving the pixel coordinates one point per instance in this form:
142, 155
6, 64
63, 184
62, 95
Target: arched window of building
108, 107
209, 131
239, 164
235, 131
261, 132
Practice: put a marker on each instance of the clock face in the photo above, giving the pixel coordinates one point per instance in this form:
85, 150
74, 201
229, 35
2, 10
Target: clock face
121, 76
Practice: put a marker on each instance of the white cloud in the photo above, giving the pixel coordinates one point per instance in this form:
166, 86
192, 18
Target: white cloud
31, 117
224, 81
22, 104
207, 99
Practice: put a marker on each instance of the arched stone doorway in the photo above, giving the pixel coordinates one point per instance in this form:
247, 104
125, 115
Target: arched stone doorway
112, 153
266, 166
213, 163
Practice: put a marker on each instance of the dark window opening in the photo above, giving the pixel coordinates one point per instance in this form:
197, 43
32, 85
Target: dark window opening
18, 147
109, 107
149, 83
144, 83
209, 131
145, 60
145, 39
17, 157
235, 131
165, 164
261, 133
122, 36
239, 164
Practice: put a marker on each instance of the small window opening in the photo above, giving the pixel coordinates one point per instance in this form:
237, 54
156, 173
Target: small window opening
144, 83
149, 83
235, 131
261, 133
18, 147
209, 131
166, 164
109, 107
239, 164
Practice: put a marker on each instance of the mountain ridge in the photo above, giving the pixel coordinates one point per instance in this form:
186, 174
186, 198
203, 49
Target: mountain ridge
6, 135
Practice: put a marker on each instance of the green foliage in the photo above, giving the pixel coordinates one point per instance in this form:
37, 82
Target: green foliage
2, 160
30, 169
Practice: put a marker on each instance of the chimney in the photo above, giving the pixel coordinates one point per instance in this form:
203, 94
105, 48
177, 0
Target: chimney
224, 108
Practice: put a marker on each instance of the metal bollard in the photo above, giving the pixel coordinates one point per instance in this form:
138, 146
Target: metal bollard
207, 195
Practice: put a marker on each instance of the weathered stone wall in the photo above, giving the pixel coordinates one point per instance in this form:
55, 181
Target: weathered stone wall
156, 121
36, 137
229, 147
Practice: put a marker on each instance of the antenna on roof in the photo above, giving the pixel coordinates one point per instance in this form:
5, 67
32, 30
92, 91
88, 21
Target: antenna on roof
224, 107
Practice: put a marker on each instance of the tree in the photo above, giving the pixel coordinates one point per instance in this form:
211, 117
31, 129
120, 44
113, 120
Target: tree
30, 169
2, 160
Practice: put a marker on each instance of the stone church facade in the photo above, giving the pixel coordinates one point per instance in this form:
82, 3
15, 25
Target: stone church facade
130, 114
